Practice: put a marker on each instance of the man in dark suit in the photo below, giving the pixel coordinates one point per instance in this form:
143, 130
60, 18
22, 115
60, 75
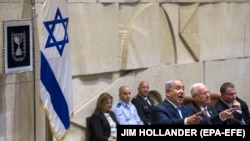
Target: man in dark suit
229, 99
171, 111
201, 102
143, 103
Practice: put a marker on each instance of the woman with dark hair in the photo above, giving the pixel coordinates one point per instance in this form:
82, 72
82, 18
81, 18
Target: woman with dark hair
103, 122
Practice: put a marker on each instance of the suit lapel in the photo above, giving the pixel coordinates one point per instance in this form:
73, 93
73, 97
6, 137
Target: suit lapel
173, 110
144, 101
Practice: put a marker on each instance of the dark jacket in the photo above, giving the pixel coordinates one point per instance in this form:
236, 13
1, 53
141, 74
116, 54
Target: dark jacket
166, 114
99, 126
214, 118
143, 108
220, 106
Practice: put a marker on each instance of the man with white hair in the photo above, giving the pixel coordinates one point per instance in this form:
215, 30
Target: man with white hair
201, 103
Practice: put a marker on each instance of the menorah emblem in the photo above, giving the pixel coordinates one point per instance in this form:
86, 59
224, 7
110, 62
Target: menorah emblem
18, 38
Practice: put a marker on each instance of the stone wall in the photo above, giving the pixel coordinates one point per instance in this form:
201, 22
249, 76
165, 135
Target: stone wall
116, 43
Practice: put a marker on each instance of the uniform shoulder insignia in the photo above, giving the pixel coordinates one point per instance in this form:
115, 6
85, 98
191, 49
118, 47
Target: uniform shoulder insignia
118, 105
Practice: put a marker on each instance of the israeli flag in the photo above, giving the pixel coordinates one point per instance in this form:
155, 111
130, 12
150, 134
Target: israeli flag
55, 69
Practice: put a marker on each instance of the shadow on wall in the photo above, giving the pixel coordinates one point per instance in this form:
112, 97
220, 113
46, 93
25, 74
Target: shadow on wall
156, 96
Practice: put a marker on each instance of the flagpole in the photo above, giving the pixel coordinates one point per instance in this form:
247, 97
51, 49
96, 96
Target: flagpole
48, 135
33, 14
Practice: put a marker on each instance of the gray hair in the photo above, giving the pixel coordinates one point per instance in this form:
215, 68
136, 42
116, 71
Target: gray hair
193, 89
168, 84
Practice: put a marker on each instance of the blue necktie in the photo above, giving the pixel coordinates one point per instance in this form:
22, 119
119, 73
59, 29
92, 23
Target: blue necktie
179, 112
242, 122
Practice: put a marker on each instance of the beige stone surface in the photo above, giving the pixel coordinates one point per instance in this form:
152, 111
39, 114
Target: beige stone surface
129, 1
224, 30
86, 109
87, 88
181, 52
166, 40
94, 38
17, 106
189, 73
232, 70
23, 11
189, 29
158, 76
140, 36
77, 133
122, 43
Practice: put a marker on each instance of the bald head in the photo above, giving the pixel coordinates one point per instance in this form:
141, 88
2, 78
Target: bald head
125, 94
143, 88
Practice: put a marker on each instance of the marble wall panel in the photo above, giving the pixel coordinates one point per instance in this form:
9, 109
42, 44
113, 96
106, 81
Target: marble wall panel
246, 49
129, 1
232, 70
169, 1
15, 1
140, 36
41, 122
77, 133
17, 111
89, 87
22, 11
181, 52
96, 29
86, 109
158, 76
166, 40
93, 32
223, 30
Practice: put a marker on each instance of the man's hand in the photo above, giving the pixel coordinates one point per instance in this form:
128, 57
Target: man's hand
227, 114
111, 139
194, 119
236, 105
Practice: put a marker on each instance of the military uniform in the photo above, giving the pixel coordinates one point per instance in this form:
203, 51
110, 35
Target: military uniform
126, 113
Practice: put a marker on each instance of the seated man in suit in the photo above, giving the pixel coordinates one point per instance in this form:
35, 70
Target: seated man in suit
201, 102
143, 103
229, 99
171, 111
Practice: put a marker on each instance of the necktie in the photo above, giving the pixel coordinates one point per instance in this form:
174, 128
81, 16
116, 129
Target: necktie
206, 113
242, 122
179, 111
148, 101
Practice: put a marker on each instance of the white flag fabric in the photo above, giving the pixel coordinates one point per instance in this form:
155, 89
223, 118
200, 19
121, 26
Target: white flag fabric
55, 70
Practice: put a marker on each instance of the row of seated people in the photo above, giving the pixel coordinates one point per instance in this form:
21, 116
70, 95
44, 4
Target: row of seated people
147, 108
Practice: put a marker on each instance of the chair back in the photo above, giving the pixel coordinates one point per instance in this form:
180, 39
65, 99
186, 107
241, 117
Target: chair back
214, 97
88, 129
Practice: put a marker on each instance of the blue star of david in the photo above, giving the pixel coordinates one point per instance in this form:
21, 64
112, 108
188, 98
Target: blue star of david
50, 26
